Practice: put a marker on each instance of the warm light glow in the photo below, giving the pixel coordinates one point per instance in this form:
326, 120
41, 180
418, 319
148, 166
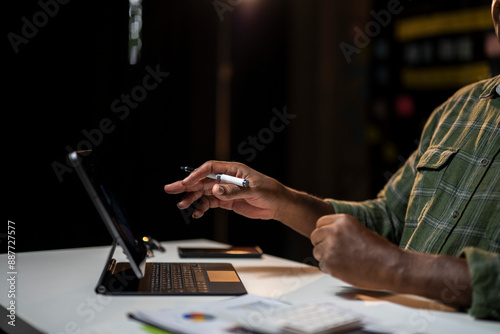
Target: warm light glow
237, 252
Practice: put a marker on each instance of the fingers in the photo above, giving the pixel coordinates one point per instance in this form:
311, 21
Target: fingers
319, 239
204, 204
321, 255
197, 180
189, 199
175, 188
319, 234
206, 187
316, 237
179, 186
247, 201
219, 197
230, 191
210, 202
217, 167
327, 220
330, 224
209, 195
317, 253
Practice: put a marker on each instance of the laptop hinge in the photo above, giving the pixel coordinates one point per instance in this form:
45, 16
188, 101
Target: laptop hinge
108, 270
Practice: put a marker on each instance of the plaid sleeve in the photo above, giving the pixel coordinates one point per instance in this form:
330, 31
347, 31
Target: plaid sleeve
386, 214
484, 268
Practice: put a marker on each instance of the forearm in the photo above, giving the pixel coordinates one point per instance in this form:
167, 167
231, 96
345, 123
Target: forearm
440, 277
300, 211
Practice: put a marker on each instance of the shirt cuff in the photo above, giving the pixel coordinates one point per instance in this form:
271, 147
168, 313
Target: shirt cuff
484, 268
343, 207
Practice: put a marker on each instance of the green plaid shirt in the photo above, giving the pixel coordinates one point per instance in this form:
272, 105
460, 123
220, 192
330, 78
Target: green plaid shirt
446, 197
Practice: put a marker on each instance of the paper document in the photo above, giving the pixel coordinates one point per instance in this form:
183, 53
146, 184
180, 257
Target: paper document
208, 317
251, 313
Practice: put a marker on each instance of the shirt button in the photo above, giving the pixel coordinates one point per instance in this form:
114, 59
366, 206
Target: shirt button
455, 214
484, 162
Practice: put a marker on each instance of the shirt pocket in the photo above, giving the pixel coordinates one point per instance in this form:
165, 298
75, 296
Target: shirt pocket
436, 158
431, 170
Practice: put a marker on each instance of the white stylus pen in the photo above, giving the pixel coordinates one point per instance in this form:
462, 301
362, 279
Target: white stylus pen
222, 177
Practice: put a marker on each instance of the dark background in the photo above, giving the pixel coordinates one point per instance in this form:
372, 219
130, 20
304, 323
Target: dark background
355, 121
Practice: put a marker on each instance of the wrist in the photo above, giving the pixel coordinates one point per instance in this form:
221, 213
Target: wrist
392, 269
300, 210
284, 204
402, 268
440, 277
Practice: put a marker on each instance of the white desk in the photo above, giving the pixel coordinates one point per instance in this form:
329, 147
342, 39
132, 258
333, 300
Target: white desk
55, 293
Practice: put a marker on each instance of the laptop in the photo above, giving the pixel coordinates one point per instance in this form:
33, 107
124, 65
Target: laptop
138, 276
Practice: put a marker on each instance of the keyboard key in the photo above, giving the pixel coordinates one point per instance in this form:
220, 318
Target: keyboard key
318, 318
178, 278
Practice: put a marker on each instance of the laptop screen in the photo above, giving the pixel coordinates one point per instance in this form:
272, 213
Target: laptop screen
108, 205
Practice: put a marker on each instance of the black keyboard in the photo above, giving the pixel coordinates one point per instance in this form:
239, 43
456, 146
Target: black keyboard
178, 278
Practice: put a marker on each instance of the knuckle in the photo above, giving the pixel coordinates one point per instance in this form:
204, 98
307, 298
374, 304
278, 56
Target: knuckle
317, 236
322, 221
313, 236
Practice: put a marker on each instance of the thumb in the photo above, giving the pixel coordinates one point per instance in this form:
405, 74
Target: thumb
228, 191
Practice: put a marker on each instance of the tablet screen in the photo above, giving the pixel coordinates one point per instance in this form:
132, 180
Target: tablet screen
110, 209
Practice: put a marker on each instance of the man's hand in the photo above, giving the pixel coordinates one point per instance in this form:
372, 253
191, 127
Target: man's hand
259, 201
265, 198
349, 251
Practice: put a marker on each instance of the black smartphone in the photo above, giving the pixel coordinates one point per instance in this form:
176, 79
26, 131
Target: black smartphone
229, 252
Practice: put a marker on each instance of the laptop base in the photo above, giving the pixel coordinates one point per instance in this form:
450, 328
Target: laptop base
175, 278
